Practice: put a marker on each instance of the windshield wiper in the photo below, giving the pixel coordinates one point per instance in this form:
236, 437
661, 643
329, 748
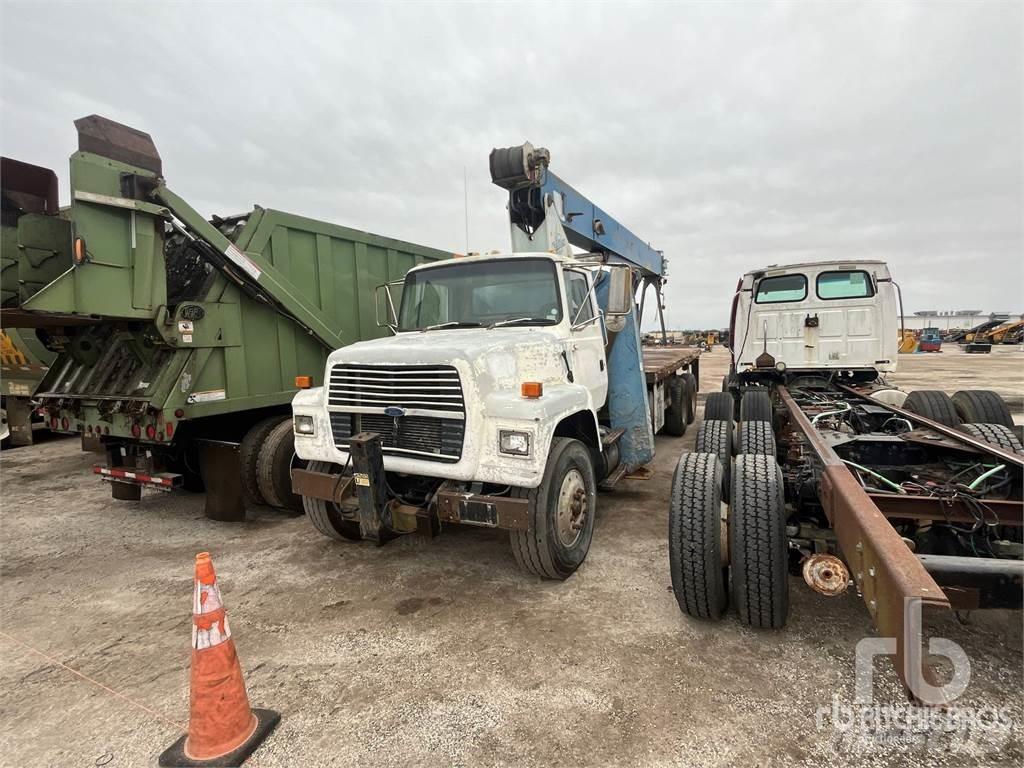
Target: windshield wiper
451, 324
517, 320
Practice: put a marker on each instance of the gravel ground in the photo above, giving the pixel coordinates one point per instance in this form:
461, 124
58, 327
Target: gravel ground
441, 652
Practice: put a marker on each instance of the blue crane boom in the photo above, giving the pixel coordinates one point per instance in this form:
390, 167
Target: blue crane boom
534, 192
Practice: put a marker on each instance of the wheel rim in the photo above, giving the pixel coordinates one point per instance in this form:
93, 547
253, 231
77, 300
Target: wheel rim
572, 507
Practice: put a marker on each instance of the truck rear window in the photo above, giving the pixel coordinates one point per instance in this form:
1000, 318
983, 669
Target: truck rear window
775, 290
845, 284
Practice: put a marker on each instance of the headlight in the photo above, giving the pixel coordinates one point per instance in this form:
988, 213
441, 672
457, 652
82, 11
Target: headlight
304, 425
515, 443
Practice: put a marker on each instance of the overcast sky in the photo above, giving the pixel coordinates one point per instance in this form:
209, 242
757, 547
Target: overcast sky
731, 136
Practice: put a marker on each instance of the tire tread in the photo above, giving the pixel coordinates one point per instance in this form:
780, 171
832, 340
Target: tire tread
695, 561
758, 546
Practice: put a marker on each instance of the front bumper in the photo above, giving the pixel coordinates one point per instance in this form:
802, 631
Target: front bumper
364, 491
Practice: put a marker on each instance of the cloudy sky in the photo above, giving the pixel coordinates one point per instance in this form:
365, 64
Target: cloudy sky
731, 136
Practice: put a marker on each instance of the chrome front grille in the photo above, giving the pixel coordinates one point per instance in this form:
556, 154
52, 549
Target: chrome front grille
412, 387
418, 410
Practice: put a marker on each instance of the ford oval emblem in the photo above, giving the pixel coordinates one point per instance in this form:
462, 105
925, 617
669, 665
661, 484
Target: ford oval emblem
394, 411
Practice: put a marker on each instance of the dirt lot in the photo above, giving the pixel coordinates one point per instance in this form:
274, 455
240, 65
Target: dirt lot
441, 652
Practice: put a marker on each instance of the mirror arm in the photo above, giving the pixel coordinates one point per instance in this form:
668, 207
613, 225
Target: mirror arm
585, 323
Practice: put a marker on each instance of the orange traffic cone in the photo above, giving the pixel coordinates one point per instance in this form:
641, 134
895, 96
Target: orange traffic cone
222, 729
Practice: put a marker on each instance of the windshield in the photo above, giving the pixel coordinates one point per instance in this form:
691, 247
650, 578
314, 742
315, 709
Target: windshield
518, 291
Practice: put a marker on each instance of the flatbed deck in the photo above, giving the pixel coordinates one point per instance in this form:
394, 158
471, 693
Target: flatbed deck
662, 362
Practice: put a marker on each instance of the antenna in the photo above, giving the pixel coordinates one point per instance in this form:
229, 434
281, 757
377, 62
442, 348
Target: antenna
465, 201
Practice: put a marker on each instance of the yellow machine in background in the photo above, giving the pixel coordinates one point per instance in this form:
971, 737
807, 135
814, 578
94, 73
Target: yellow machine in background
908, 342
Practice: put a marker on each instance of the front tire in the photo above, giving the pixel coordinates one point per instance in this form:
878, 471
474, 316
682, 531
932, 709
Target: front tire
325, 515
561, 516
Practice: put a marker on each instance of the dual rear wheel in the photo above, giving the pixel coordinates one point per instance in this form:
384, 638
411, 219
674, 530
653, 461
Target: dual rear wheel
267, 454
727, 519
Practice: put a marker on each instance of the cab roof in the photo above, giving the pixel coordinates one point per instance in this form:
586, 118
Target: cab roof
851, 263
490, 257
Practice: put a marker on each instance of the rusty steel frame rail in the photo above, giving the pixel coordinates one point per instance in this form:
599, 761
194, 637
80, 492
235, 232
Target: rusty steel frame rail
909, 507
889, 577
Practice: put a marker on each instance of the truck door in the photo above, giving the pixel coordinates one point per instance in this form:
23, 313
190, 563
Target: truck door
850, 322
586, 339
778, 317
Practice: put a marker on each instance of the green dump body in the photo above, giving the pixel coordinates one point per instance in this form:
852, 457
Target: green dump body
169, 326
23, 362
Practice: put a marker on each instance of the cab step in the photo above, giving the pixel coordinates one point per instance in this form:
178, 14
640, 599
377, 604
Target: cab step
612, 437
612, 480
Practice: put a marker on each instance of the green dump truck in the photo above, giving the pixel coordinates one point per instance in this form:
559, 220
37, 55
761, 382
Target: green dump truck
29, 194
180, 341
23, 363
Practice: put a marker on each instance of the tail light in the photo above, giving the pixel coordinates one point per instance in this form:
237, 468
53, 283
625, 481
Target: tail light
169, 429
136, 431
54, 423
65, 424
151, 431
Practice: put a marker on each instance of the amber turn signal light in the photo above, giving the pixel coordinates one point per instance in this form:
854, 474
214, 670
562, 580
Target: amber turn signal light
532, 389
303, 382
79, 250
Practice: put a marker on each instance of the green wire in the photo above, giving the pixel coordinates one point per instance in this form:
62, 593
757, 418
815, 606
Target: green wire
884, 479
986, 476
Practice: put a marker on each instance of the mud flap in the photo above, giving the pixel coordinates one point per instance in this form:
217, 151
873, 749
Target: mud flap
221, 468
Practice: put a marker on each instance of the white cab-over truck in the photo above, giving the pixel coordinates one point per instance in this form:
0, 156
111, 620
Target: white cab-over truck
809, 462
513, 386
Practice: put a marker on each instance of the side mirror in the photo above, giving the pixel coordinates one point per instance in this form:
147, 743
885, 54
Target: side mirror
620, 292
385, 304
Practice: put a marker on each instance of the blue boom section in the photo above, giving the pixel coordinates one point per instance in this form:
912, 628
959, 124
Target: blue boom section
627, 388
581, 220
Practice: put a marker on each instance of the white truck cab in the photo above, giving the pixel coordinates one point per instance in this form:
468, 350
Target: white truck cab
490, 355
813, 316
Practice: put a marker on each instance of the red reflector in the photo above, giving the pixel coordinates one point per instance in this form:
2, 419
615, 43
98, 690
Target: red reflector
150, 431
169, 429
136, 430
179, 413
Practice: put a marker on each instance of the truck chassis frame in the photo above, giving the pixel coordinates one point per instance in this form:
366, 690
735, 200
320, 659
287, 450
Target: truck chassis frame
894, 582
